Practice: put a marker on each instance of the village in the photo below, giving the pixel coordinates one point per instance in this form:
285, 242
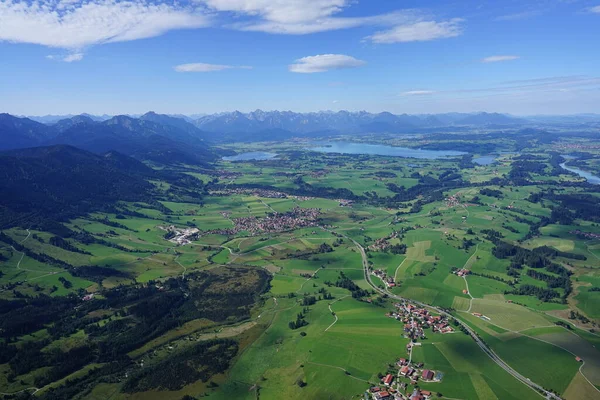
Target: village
273, 223
279, 222
417, 319
403, 385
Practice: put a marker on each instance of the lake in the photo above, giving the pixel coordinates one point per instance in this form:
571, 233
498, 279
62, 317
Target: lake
485, 160
253, 155
593, 179
383, 150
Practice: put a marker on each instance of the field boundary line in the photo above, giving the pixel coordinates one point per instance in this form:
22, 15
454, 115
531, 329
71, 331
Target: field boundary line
568, 351
340, 368
398, 268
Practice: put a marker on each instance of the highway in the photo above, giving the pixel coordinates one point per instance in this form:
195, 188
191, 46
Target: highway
539, 389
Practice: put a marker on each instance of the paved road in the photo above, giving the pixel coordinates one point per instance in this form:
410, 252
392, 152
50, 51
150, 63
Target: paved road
539, 389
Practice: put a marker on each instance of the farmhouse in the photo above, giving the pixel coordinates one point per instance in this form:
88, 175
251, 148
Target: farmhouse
462, 272
427, 374
387, 280
388, 379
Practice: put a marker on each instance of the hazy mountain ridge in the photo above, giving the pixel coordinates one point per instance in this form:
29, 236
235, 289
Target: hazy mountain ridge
161, 137
171, 142
343, 121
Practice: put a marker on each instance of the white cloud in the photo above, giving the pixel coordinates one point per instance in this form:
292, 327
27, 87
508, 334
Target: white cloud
300, 17
73, 57
595, 9
419, 31
418, 93
202, 67
494, 59
282, 11
324, 62
76, 25
68, 58
329, 23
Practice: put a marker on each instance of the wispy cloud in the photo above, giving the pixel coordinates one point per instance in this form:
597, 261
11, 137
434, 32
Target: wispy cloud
549, 80
73, 57
595, 10
419, 31
324, 62
295, 17
493, 59
418, 93
326, 23
203, 67
558, 83
519, 15
75, 25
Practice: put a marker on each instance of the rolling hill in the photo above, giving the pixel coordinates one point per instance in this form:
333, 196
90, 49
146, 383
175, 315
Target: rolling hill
60, 181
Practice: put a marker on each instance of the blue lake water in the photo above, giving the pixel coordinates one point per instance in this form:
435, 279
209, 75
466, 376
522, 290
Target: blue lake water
485, 160
253, 155
383, 150
593, 179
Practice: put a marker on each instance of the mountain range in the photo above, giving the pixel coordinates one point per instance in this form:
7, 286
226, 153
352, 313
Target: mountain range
241, 125
146, 138
182, 139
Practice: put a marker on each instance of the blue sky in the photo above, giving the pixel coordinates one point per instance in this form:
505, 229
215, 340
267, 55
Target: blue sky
205, 56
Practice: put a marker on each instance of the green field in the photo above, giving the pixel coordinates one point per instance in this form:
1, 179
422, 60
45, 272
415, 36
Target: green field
509, 239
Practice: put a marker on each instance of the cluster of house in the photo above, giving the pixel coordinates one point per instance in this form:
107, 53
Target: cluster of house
387, 280
403, 386
267, 194
275, 222
272, 194
278, 222
345, 203
416, 320
319, 173
393, 394
587, 235
576, 146
453, 201
223, 174
383, 243
181, 236
462, 272
380, 244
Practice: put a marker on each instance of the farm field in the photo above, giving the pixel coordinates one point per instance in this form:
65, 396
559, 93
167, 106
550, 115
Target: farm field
252, 282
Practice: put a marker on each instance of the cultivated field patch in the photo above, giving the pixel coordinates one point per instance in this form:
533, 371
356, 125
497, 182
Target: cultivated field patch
508, 316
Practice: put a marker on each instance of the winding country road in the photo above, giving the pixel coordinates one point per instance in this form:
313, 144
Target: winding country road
333, 313
489, 352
